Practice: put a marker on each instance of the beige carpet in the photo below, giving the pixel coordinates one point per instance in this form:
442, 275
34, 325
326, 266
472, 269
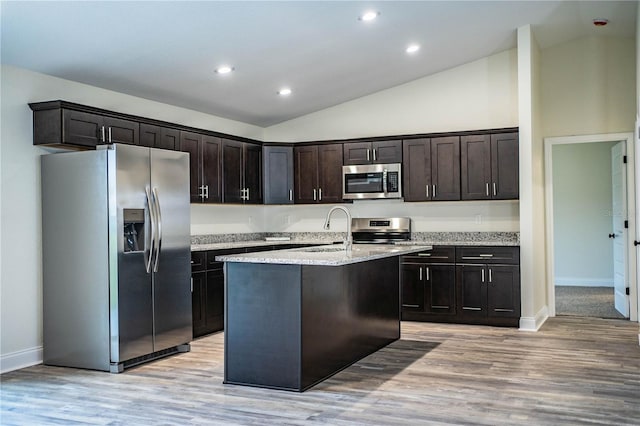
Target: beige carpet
586, 301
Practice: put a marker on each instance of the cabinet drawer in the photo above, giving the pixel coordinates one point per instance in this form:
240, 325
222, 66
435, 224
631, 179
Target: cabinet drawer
439, 254
212, 263
198, 260
505, 255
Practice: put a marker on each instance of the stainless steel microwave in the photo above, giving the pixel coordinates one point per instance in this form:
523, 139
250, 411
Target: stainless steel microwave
372, 181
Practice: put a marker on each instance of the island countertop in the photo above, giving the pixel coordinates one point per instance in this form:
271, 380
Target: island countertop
331, 255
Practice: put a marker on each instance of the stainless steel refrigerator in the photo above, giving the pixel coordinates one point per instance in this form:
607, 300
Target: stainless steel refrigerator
116, 256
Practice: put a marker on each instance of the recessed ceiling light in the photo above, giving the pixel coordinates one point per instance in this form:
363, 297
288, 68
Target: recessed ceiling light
285, 91
224, 69
369, 15
413, 48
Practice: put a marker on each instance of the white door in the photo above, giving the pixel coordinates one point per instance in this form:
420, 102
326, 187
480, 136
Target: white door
619, 213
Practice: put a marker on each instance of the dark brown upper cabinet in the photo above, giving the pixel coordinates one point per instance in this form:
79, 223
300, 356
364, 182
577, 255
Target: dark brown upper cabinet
159, 137
380, 152
489, 166
432, 169
204, 166
278, 174
318, 173
241, 172
55, 125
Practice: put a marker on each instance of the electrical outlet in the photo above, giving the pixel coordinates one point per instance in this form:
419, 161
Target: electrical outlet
478, 219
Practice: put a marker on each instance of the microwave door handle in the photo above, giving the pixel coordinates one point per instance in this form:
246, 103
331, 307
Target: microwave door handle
384, 181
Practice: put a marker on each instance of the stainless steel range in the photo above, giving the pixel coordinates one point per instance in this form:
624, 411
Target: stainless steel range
381, 230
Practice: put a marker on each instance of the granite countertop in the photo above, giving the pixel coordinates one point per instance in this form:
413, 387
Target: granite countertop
325, 256
231, 241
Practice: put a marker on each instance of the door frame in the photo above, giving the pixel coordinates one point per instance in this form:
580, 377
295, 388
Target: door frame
549, 143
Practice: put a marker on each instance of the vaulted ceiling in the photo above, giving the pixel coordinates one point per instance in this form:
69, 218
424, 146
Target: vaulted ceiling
321, 50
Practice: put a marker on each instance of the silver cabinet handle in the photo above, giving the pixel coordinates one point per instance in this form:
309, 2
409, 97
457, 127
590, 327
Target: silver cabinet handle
424, 254
148, 258
109, 134
206, 194
104, 139
427, 269
482, 274
314, 194
156, 201
420, 273
494, 189
490, 279
434, 191
410, 306
191, 285
248, 196
368, 154
374, 154
291, 195
487, 188
427, 190
320, 194
485, 255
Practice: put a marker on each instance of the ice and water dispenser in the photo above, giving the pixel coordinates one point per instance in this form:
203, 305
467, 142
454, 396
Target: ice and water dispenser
133, 230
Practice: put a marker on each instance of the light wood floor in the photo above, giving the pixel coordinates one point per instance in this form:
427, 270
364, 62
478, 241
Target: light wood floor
573, 371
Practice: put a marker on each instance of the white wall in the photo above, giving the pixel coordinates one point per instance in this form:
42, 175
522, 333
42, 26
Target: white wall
478, 95
589, 87
532, 242
582, 214
21, 280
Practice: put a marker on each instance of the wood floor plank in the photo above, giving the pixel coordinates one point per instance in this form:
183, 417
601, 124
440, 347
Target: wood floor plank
573, 371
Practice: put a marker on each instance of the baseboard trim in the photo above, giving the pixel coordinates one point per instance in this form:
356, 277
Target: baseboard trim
583, 282
20, 359
534, 323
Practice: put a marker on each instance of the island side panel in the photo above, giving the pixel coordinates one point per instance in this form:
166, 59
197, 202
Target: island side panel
262, 325
348, 312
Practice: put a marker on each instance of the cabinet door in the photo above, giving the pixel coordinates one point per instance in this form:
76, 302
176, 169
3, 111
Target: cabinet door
214, 317
473, 291
211, 178
122, 131
504, 166
386, 152
357, 153
417, 169
232, 179
475, 167
82, 128
445, 168
169, 139
159, 137
330, 173
306, 174
192, 143
440, 289
278, 174
503, 294
198, 303
252, 171
150, 135
412, 288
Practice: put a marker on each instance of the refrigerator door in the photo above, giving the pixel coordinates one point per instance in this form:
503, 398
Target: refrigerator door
172, 260
130, 285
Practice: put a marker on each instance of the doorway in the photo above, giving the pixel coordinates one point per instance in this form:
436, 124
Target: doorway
589, 201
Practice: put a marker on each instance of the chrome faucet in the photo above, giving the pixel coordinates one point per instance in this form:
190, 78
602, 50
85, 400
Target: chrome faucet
349, 240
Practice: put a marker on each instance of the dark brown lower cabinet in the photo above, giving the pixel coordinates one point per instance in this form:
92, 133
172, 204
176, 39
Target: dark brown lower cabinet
471, 285
207, 279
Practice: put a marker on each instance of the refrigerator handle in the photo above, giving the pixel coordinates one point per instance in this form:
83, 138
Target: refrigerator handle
156, 201
150, 238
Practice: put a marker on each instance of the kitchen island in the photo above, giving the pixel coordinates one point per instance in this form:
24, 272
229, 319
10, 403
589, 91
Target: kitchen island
295, 317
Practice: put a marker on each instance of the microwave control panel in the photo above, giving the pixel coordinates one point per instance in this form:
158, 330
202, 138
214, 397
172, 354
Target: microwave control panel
392, 182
